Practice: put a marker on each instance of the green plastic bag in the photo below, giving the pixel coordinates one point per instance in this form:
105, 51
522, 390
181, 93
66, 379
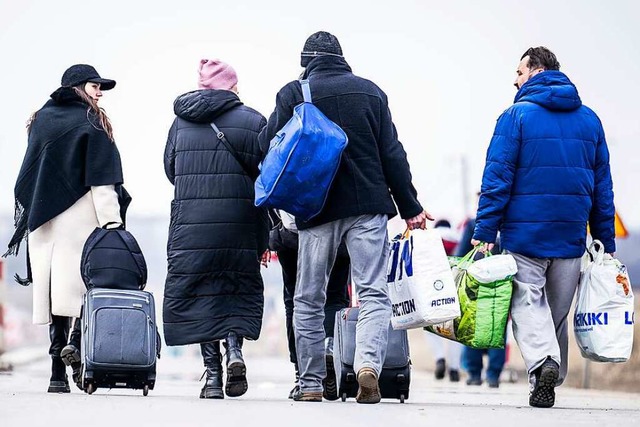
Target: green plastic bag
484, 306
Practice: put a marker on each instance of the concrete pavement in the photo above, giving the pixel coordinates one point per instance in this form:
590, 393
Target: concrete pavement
174, 402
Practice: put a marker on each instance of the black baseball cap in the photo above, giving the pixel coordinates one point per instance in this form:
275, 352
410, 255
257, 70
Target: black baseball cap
83, 73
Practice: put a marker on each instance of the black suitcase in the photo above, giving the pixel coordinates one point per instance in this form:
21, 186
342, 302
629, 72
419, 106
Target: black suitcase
396, 370
119, 340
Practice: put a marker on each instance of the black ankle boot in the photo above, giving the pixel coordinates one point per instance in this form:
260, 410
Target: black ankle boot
236, 369
58, 382
213, 363
296, 386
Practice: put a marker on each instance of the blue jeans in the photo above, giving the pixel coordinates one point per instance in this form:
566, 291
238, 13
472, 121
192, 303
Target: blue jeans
366, 239
472, 362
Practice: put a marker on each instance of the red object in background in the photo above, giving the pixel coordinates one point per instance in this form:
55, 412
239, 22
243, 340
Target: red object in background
449, 246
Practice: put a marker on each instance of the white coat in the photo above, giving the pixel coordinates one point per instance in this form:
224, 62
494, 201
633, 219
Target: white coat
55, 249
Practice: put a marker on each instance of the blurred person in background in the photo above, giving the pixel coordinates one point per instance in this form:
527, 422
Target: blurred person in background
472, 357
446, 352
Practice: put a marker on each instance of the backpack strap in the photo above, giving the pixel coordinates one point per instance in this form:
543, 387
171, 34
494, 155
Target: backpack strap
306, 91
136, 253
94, 238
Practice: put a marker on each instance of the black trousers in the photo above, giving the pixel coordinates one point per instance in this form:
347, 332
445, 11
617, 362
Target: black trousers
337, 293
59, 334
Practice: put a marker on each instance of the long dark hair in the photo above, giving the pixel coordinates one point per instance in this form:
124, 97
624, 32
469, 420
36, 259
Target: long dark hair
94, 109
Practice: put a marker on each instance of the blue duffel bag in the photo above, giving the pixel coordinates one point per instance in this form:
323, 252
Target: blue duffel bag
302, 161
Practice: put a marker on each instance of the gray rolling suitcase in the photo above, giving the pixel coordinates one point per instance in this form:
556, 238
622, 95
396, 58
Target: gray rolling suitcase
120, 340
396, 370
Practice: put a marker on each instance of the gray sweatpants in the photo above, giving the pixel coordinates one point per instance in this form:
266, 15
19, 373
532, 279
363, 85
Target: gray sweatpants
543, 290
366, 240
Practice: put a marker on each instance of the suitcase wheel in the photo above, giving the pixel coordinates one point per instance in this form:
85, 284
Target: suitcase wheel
91, 388
145, 390
344, 396
402, 398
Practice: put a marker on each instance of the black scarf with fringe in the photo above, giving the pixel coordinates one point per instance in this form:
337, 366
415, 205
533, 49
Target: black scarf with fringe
68, 152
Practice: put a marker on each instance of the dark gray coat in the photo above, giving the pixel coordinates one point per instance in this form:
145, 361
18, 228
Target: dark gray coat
213, 283
374, 165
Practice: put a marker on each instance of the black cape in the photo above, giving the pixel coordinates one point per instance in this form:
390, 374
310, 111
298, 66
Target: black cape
68, 152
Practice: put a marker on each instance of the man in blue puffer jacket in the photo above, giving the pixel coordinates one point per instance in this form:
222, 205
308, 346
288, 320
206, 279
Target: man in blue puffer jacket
547, 175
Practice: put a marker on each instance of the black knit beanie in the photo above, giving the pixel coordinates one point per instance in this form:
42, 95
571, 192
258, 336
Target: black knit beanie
318, 44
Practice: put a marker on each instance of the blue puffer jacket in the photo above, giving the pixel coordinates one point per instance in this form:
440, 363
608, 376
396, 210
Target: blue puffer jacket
547, 174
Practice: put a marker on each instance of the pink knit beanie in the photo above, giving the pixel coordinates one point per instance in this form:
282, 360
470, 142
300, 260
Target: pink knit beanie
215, 74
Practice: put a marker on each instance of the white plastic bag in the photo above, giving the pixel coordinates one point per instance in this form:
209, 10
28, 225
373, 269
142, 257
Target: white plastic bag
420, 283
603, 320
493, 268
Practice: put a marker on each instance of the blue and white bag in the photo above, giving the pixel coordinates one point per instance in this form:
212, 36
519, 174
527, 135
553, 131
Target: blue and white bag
421, 286
603, 319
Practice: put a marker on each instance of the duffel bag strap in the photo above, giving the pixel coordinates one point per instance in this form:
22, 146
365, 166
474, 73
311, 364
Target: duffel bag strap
306, 91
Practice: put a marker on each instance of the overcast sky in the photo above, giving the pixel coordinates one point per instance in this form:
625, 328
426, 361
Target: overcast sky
447, 67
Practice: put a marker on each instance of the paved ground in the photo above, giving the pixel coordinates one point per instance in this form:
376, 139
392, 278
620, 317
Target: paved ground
174, 402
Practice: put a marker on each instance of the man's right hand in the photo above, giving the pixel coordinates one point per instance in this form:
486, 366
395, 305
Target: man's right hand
484, 248
419, 221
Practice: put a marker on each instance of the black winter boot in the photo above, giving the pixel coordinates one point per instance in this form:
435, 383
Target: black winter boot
236, 369
213, 363
58, 333
58, 382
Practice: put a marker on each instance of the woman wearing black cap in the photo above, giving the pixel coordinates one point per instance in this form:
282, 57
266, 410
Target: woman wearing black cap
67, 186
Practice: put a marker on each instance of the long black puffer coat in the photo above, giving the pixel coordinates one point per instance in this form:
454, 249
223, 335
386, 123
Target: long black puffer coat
213, 283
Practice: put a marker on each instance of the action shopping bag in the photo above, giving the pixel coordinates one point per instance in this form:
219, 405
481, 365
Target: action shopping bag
603, 320
420, 284
484, 289
302, 160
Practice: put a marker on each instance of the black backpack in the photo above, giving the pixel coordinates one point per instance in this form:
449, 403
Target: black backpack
111, 258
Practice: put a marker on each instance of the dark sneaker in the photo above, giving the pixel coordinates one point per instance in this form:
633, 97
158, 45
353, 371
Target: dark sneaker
329, 385
543, 394
441, 368
454, 375
58, 387
294, 390
70, 355
474, 380
76, 374
369, 389
493, 383
307, 396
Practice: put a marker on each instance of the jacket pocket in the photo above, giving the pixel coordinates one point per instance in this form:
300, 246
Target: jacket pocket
176, 207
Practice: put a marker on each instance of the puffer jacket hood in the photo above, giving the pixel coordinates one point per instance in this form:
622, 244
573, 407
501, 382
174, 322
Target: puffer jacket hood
552, 90
203, 106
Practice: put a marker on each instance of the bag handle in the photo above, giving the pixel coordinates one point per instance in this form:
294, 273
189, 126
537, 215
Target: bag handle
306, 91
233, 152
395, 249
467, 260
596, 251
407, 256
